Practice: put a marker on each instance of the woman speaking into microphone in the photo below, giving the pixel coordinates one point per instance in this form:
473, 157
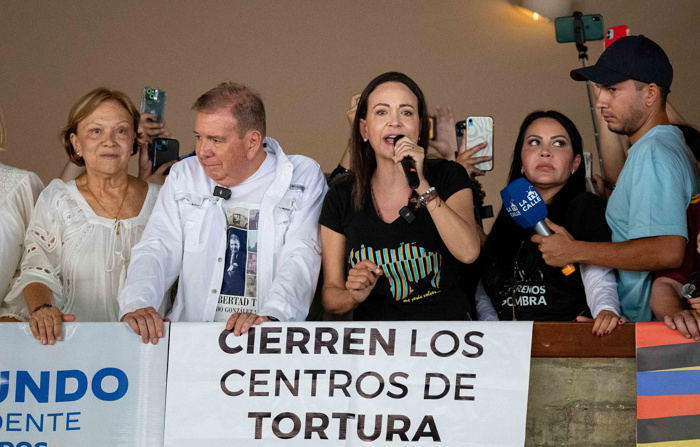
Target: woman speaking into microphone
391, 252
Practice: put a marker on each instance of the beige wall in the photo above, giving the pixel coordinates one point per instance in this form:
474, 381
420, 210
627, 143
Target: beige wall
306, 58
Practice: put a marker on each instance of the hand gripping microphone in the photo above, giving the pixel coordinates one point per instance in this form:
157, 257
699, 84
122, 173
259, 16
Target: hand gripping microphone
526, 207
409, 167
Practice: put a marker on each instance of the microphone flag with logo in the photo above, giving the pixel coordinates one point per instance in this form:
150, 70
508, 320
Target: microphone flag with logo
526, 207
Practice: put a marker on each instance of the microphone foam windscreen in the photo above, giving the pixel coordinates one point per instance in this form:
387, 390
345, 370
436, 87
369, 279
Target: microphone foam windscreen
524, 203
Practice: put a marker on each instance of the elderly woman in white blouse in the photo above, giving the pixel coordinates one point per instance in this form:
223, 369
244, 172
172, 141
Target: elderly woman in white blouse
78, 242
18, 192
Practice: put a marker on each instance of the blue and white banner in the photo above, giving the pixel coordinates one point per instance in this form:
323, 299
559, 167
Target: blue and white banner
101, 386
349, 384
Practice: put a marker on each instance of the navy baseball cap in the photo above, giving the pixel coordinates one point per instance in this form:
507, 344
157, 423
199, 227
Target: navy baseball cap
630, 57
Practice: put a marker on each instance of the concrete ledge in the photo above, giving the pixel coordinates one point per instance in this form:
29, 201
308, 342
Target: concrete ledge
583, 388
582, 402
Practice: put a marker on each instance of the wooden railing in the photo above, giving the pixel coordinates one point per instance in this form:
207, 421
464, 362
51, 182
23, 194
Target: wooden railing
575, 340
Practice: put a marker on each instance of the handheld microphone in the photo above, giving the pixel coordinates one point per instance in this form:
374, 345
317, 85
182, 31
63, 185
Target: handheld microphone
526, 207
409, 167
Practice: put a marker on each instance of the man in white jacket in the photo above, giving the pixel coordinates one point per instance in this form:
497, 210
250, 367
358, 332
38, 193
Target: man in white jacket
241, 187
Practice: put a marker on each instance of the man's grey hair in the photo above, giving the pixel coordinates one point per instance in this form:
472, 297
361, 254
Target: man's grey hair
244, 103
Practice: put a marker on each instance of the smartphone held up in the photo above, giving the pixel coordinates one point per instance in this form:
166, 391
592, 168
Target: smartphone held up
614, 33
163, 150
591, 28
477, 130
153, 102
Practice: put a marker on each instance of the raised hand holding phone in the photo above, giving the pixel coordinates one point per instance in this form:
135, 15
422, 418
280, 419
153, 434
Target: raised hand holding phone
445, 141
467, 157
479, 131
153, 102
164, 150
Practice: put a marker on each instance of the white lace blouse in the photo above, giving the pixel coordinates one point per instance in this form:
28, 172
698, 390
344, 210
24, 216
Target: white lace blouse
77, 253
19, 190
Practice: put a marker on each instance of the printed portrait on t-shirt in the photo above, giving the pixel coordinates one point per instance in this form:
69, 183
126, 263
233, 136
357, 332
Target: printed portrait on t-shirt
253, 241
252, 263
237, 217
253, 222
242, 211
250, 285
239, 286
234, 270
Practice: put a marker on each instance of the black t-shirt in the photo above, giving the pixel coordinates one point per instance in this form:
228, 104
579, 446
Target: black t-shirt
421, 278
542, 293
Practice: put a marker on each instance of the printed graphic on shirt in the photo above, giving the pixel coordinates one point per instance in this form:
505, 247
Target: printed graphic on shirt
239, 284
530, 290
526, 295
408, 268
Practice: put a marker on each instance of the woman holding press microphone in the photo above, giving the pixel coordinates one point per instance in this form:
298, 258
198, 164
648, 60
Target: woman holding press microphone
391, 252
548, 153
78, 242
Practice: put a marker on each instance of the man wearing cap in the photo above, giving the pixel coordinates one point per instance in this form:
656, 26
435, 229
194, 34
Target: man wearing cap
647, 210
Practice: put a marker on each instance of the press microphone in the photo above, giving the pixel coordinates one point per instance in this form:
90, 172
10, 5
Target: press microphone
526, 207
409, 167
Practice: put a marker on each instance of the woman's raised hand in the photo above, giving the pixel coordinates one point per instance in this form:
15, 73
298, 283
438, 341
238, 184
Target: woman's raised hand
446, 142
362, 278
407, 148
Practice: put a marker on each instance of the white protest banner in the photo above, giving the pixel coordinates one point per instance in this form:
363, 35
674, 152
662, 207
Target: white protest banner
349, 384
100, 386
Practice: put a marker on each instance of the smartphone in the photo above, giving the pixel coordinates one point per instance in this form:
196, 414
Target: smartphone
162, 151
479, 129
433, 128
592, 28
614, 33
153, 101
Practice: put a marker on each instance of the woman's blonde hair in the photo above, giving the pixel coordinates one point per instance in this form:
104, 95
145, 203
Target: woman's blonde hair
85, 106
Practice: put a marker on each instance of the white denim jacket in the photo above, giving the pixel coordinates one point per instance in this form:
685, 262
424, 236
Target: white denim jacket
186, 237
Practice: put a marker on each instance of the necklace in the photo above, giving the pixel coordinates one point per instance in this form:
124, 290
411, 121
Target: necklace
515, 279
116, 216
413, 201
